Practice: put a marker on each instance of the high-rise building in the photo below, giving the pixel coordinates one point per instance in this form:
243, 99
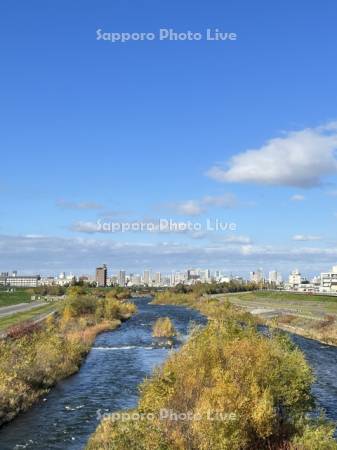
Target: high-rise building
257, 277
136, 280
101, 275
122, 278
295, 279
275, 277
146, 277
158, 279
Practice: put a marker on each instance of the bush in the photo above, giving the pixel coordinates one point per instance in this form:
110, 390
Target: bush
82, 305
163, 327
36, 356
244, 391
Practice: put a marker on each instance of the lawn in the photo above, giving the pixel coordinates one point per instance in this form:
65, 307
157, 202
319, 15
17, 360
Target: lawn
13, 298
314, 306
288, 296
34, 313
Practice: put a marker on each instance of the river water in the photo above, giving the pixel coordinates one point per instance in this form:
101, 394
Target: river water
108, 381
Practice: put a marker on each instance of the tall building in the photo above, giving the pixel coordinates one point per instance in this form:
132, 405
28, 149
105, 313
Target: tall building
205, 275
101, 275
158, 279
122, 278
136, 280
146, 277
193, 274
295, 279
275, 277
257, 277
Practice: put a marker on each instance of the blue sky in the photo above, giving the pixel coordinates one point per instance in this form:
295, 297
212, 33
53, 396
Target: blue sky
133, 131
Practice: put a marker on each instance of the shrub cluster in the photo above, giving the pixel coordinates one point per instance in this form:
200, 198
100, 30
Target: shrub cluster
34, 357
163, 327
231, 388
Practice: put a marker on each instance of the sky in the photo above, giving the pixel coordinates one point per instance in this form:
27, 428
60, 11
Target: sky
96, 135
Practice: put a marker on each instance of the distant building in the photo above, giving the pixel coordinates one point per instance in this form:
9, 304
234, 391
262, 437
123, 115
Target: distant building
121, 278
225, 279
274, 278
193, 274
101, 275
157, 279
295, 280
47, 281
24, 281
257, 277
329, 281
205, 275
146, 277
136, 280
64, 280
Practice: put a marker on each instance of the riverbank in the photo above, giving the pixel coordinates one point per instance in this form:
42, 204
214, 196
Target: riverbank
260, 387
35, 357
107, 381
322, 337
313, 317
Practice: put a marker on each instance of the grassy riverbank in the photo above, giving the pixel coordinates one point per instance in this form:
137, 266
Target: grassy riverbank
228, 388
312, 316
35, 357
33, 314
15, 297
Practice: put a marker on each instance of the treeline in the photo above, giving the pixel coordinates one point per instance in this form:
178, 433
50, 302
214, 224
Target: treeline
114, 292
49, 290
228, 388
214, 288
35, 357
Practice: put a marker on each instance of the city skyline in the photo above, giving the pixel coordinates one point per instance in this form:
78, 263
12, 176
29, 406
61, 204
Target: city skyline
203, 132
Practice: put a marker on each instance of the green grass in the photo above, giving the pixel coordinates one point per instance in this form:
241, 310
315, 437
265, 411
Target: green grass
287, 296
301, 305
13, 298
34, 313
291, 296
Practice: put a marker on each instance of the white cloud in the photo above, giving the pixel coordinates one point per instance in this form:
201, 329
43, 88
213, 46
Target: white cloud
297, 198
80, 205
306, 237
50, 254
197, 207
85, 227
189, 208
223, 201
231, 239
300, 159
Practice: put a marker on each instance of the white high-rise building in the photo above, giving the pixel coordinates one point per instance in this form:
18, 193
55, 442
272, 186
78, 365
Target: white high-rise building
295, 279
257, 277
329, 281
157, 279
275, 277
146, 277
205, 275
136, 280
122, 278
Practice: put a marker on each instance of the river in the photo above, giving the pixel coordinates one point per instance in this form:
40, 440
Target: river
108, 381
109, 378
